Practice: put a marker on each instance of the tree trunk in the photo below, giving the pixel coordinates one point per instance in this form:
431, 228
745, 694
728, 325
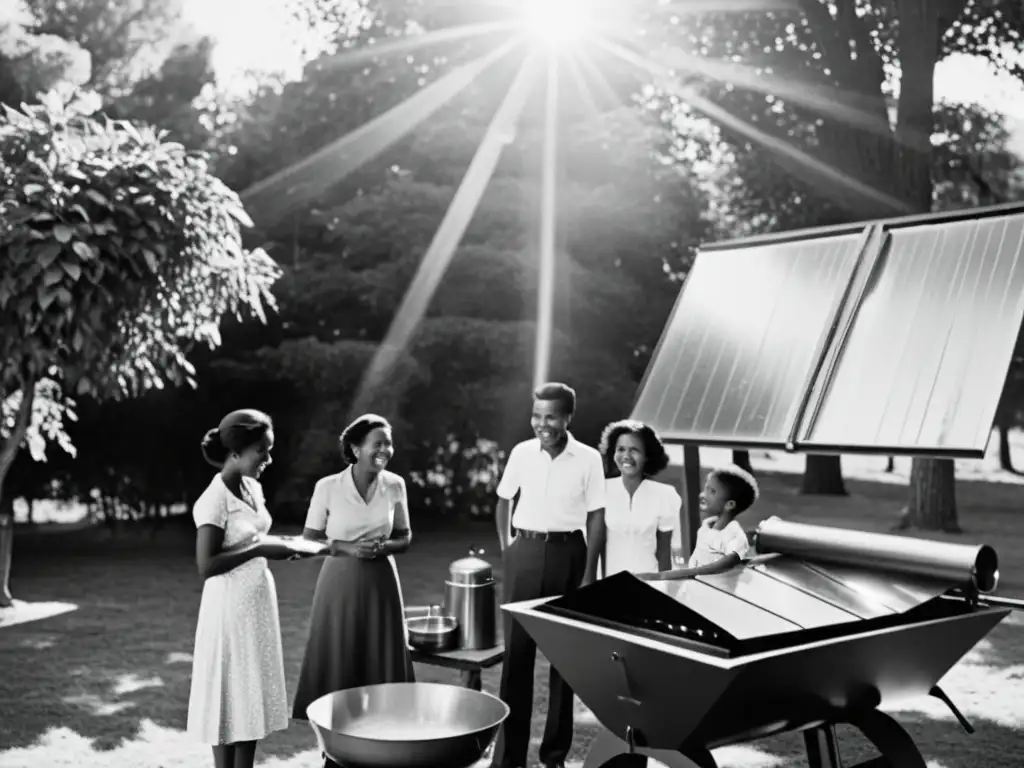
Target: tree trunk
8, 451
1005, 459
932, 503
6, 548
932, 494
742, 460
823, 476
890, 464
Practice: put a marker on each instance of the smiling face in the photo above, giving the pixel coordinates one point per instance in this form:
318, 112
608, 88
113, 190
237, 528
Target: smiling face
714, 499
376, 450
549, 423
253, 460
630, 456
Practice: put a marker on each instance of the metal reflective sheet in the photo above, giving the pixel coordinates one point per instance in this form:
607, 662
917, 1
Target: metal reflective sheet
737, 617
803, 609
922, 367
897, 592
744, 339
802, 576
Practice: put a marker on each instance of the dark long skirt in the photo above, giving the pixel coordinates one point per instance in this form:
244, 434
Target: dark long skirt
356, 631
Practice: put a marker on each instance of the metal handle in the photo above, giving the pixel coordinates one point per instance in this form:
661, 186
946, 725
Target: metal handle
629, 698
476, 551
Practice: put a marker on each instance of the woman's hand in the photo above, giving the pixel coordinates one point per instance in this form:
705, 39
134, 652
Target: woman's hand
341, 549
371, 549
364, 549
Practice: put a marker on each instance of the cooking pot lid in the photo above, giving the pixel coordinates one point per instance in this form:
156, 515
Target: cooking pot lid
471, 566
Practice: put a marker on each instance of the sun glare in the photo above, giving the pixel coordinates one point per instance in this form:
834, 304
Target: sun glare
555, 22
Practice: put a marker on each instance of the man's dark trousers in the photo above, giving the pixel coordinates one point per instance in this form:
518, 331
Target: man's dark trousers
536, 566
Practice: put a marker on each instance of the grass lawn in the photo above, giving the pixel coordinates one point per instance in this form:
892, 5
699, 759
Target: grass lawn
107, 684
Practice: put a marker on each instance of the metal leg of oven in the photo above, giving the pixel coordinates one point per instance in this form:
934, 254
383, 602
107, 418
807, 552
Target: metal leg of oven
609, 751
896, 748
893, 743
821, 746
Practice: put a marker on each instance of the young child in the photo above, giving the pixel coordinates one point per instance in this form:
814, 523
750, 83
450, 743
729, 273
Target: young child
721, 541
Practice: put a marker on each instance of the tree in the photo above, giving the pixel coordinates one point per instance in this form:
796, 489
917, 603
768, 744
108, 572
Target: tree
122, 252
126, 40
818, 80
32, 63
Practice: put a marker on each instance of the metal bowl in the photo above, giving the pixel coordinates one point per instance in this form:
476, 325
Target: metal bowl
406, 725
433, 633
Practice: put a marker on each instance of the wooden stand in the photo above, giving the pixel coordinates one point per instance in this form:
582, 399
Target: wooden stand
469, 663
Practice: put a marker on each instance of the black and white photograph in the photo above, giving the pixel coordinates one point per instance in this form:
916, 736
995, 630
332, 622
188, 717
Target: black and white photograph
511, 383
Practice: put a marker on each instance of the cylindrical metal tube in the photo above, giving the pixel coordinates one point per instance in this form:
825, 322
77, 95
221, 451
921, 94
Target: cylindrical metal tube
975, 564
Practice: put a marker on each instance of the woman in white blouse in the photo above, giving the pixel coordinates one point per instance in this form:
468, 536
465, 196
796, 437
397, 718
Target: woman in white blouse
357, 624
640, 514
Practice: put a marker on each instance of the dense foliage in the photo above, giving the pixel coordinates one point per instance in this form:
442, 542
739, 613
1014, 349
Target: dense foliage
121, 252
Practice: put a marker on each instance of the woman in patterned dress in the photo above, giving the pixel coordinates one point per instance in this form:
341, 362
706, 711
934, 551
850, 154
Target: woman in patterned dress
238, 691
357, 623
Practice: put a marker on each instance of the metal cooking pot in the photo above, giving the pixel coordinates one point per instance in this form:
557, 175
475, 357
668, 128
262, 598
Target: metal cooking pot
433, 633
470, 596
406, 725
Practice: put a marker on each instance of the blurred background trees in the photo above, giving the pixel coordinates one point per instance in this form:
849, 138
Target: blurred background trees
644, 180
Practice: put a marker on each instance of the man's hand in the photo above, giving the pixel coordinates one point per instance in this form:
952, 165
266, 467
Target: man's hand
588, 578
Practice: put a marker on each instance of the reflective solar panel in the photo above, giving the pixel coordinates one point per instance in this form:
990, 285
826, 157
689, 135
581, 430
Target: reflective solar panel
744, 340
922, 368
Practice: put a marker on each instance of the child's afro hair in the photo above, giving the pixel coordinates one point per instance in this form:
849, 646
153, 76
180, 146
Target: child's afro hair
739, 484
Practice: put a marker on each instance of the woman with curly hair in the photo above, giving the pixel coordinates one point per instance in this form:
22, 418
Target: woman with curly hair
640, 514
357, 624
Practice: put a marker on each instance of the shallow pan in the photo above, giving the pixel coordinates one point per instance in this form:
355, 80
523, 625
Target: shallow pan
406, 725
433, 634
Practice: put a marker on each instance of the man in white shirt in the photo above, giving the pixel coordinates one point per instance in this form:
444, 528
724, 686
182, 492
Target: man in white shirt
561, 489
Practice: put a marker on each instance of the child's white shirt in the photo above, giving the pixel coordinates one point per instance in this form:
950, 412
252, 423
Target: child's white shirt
712, 545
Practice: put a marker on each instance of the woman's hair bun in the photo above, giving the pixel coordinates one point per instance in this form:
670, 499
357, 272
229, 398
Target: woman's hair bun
213, 448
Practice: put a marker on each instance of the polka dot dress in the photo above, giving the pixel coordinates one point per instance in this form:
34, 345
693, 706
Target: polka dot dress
238, 689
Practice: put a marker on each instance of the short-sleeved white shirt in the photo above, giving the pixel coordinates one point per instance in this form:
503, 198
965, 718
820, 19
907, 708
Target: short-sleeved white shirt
340, 512
713, 545
557, 493
240, 520
633, 524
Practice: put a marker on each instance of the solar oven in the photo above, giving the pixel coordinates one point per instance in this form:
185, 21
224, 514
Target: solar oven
784, 642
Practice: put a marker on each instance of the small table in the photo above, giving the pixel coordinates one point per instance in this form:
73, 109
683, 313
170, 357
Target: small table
469, 663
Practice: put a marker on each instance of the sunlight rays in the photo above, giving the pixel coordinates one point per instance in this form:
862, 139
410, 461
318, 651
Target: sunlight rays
355, 56
548, 223
694, 7
328, 165
818, 98
449, 233
688, 94
565, 33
